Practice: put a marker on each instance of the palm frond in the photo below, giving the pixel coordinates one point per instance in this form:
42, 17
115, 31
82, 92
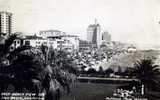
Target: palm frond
16, 51
146, 71
8, 42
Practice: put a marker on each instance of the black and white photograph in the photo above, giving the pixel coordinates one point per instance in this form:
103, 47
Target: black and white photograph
79, 49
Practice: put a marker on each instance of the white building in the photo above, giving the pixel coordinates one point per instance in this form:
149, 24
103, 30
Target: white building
5, 23
106, 37
52, 39
131, 49
50, 33
94, 34
34, 41
17, 43
67, 42
72, 40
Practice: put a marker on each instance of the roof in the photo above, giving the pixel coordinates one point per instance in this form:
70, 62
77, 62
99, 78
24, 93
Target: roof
93, 25
50, 31
9, 13
32, 37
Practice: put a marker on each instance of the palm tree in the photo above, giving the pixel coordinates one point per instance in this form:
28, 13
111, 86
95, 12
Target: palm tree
28, 66
6, 58
32, 73
147, 72
63, 67
26, 69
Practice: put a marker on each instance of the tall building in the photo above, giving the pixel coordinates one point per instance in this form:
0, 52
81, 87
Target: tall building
5, 23
106, 37
94, 34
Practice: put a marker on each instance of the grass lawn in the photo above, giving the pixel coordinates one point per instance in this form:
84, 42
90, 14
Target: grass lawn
152, 95
90, 91
97, 91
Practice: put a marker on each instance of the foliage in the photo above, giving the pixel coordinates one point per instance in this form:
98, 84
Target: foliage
28, 66
119, 71
147, 72
63, 67
6, 60
101, 71
91, 71
34, 70
109, 71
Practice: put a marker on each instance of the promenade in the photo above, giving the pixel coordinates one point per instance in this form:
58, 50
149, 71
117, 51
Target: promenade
101, 78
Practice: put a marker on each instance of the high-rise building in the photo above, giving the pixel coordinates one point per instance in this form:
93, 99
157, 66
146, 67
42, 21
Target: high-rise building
5, 23
106, 37
94, 34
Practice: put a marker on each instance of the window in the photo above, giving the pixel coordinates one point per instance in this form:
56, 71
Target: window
12, 47
18, 42
27, 43
14, 42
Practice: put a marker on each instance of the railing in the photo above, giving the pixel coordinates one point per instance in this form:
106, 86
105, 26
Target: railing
114, 79
118, 98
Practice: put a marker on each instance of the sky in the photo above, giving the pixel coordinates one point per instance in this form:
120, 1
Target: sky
130, 21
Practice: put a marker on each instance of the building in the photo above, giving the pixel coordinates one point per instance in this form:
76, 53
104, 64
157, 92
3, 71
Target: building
17, 43
5, 23
73, 40
131, 49
85, 45
106, 37
51, 38
67, 42
34, 41
94, 34
60, 39
50, 33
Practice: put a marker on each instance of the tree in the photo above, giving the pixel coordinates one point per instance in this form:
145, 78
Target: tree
108, 71
64, 60
25, 69
126, 72
119, 71
29, 69
63, 67
33, 73
28, 66
91, 71
101, 71
147, 72
6, 58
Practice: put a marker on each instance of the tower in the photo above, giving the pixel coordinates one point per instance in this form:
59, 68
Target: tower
5, 23
106, 37
94, 34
